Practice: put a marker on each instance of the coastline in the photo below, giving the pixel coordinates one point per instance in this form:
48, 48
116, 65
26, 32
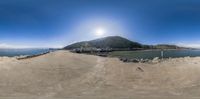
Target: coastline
31, 56
22, 57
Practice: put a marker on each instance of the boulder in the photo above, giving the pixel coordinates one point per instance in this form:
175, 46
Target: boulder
155, 60
123, 59
134, 60
144, 60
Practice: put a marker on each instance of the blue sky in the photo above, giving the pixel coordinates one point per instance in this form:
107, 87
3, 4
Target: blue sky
56, 23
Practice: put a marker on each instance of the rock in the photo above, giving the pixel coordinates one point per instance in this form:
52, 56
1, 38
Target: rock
139, 69
123, 59
144, 60
155, 60
135, 60
120, 58
102, 55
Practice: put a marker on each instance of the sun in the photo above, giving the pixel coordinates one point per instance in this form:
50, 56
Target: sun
100, 32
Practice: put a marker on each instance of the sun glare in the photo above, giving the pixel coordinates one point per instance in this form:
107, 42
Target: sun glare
100, 32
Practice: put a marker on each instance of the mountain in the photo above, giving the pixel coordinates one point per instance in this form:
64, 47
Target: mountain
166, 46
118, 43
107, 42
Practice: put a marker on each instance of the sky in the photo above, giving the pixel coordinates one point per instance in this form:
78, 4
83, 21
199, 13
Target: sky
57, 23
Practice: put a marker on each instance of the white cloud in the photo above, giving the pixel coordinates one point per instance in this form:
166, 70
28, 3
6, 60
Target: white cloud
192, 45
4, 45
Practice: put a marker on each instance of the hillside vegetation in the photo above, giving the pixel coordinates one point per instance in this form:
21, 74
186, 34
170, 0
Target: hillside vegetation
107, 42
117, 42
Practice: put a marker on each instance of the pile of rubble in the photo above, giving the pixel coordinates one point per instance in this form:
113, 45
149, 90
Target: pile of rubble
136, 60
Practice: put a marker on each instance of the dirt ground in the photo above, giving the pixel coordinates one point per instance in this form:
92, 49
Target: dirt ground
65, 75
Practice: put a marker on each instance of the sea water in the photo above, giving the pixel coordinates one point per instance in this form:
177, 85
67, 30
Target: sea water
156, 53
19, 52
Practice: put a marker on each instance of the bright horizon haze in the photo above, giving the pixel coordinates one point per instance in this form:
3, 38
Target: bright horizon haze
57, 23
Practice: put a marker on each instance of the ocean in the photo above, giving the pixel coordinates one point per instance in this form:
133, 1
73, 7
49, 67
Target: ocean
19, 52
153, 54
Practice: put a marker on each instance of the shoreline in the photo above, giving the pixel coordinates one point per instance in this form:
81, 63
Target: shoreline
139, 60
134, 60
156, 60
21, 57
31, 56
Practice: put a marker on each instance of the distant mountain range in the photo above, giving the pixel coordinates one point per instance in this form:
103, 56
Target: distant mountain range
117, 42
